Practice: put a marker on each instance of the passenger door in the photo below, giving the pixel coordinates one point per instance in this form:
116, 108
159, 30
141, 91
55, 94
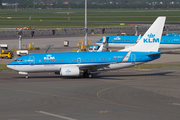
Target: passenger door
31, 60
133, 58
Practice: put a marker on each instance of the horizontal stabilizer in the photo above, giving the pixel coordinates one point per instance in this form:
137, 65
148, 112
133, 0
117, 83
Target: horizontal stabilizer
167, 52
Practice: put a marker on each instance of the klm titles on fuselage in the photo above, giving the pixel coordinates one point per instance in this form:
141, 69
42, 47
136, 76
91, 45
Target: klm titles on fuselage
151, 39
49, 57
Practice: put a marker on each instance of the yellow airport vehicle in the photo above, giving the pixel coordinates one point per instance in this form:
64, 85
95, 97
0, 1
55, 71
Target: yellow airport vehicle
27, 28
6, 55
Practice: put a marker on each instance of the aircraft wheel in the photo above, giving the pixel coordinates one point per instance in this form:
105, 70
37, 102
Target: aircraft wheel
27, 77
90, 75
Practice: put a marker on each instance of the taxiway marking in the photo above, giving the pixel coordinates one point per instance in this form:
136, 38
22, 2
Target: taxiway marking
54, 115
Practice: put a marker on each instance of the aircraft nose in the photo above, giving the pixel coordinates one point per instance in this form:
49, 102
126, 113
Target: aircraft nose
10, 66
99, 43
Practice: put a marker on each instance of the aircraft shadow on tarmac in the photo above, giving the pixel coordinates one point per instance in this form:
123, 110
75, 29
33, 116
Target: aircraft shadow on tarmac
96, 76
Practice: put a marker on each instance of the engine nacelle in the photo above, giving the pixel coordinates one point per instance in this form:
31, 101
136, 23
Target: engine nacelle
69, 71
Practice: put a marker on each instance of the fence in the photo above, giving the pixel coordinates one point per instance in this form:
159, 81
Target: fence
80, 31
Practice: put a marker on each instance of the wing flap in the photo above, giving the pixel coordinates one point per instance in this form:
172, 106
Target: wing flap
93, 67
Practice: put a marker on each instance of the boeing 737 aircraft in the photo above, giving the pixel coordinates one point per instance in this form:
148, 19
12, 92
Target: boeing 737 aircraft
121, 41
75, 63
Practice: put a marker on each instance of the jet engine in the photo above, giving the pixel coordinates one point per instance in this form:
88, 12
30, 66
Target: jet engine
69, 71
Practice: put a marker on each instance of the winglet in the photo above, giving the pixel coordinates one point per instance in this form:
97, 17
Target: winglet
138, 38
125, 59
100, 48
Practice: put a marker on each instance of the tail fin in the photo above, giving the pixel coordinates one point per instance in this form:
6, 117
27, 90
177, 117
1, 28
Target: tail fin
151, 39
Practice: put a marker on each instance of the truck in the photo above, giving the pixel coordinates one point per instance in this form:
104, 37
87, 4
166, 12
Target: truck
22, 52
6, 55
3, 46
93, 48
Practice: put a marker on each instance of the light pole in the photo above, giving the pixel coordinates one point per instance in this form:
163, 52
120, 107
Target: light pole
86, 30
20, 38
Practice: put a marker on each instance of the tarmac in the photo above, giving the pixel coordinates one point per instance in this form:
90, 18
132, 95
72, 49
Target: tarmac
122, 94
125, 94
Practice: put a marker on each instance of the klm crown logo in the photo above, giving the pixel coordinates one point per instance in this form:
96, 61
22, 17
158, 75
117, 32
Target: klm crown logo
151, 35
68, 71
151, 39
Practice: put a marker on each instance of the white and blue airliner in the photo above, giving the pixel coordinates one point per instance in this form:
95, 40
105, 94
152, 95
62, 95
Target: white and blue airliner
76, 63
170, 41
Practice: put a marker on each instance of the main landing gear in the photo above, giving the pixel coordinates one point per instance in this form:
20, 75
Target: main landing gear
27, 76
87, 75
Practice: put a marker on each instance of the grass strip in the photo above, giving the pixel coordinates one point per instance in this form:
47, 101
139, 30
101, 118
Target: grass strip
3, 67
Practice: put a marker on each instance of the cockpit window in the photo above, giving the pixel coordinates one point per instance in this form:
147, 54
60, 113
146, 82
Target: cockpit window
18, 60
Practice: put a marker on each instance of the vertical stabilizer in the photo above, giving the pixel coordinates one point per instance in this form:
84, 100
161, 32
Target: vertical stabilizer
151, 39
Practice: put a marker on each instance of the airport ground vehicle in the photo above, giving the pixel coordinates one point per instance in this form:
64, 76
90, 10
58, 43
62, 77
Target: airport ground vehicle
22, 52
4, 46
7, 55
93, 48
27, 28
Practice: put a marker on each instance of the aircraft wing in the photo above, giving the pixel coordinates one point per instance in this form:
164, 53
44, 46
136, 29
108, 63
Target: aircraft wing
93, 67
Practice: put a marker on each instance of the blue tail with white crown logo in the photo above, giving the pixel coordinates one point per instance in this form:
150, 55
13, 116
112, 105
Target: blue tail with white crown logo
151, 39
